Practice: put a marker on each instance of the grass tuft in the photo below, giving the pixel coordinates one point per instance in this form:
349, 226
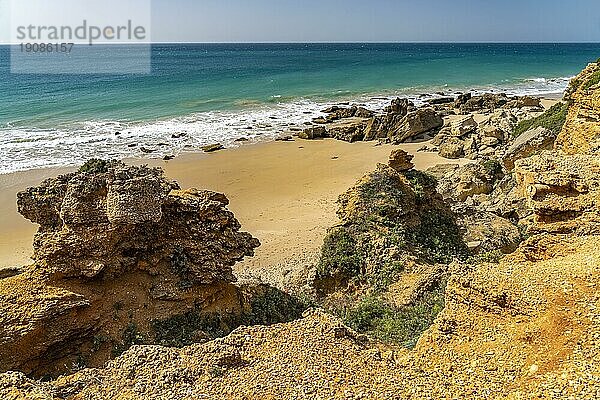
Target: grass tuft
399, 325
553, 119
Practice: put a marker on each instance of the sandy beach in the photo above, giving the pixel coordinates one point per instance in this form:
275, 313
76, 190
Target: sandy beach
284, 193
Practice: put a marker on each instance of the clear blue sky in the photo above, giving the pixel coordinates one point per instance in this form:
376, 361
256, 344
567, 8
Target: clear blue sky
376, 20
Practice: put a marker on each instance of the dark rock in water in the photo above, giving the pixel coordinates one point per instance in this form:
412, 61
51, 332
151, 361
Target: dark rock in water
399, 107
146, 150
331, 109
362, 112
178, 135
132, 145
284, 139
462, 99
212, 147
162, 144
348, 133
167, 158
336, 113
307, 112
242, 139
117, 133
485, 102
441, 100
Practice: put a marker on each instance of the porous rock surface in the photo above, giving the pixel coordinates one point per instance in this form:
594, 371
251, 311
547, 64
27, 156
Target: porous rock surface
117, 250
582, 128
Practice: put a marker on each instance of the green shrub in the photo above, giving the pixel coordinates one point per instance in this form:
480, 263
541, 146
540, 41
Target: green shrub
273, 307
492, 166
269, 307
554, 119
339, 255
396, 325
421, 183
439, 238
94, 166
594, 80
383, 277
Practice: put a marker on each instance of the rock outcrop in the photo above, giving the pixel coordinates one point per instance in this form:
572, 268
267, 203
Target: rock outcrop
401, 161
526, 328
422, 121
401, 121
122, 257
104, 224
527, 144
582, 129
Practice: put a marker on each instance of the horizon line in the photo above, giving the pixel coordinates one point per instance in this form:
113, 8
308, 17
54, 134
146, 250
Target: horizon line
317, 42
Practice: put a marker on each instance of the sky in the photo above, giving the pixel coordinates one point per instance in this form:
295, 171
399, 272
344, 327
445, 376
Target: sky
365, 20
377, 20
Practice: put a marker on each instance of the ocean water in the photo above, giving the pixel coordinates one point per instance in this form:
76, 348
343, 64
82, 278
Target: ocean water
206, 93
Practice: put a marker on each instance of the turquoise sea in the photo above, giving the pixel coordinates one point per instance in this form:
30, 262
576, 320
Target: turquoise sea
207, 93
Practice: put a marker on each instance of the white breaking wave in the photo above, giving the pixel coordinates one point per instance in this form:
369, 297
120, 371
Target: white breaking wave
24, 148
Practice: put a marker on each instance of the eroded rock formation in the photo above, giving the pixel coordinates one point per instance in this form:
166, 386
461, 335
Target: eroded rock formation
582, 128
122, 257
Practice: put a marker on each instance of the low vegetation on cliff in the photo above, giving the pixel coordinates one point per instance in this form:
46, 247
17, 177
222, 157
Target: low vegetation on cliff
553, 119
394, 225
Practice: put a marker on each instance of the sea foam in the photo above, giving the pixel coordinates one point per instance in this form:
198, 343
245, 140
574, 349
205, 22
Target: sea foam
71, 144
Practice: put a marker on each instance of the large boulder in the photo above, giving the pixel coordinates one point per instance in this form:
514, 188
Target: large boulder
462, 126
482, 103
500, 124
336, 113
122, 256
487, 232
452, 148
352, 131
382, 126
466, 181
112, 220
423, 120
563, 191
314, 132
528, 144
